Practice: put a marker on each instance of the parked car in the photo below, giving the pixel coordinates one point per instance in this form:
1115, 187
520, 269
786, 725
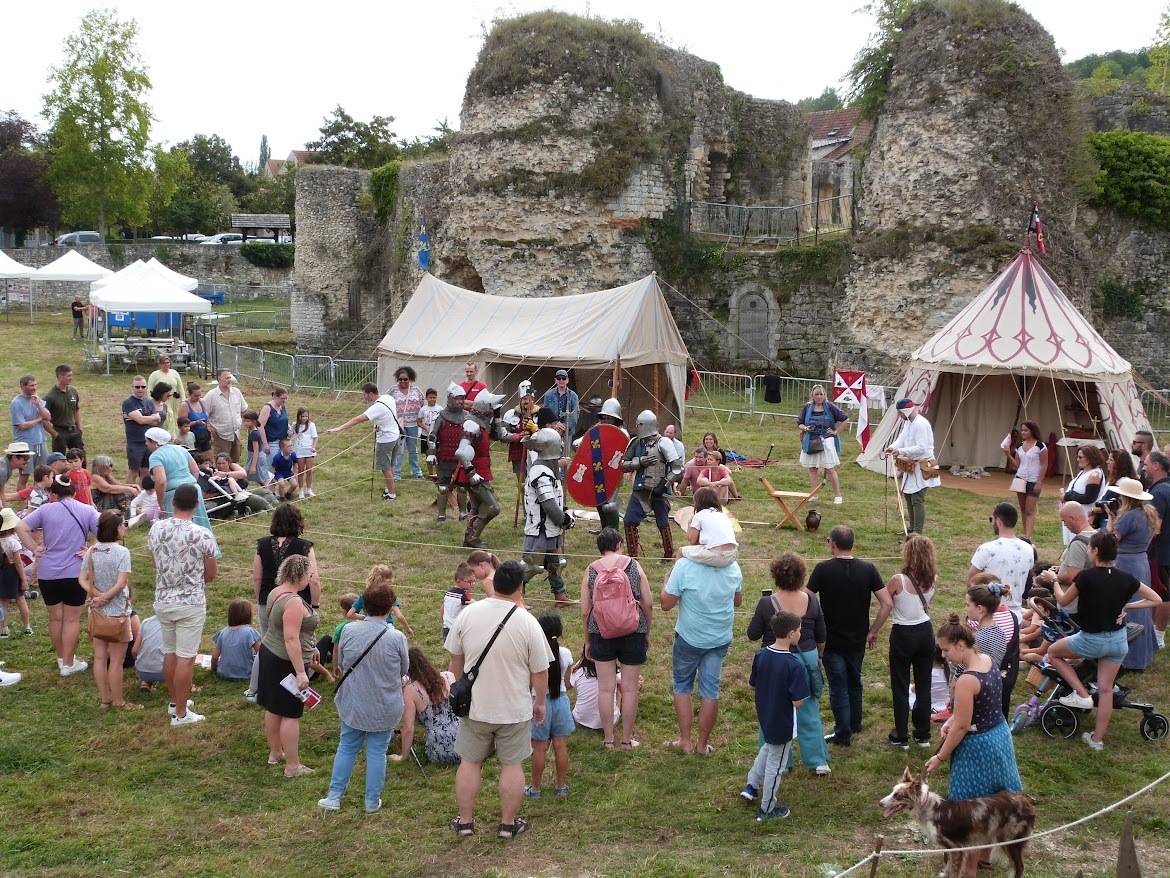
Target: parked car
192, 236
224, 238
79, 239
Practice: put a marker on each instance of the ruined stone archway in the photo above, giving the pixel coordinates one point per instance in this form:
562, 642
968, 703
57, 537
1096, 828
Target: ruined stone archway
753, 316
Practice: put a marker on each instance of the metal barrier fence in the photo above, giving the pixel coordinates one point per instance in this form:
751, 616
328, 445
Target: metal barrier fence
792, 224
305, 371
249, 321
1157, 411
734, 394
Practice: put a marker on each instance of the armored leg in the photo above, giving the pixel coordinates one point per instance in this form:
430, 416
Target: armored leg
667, 543
633, 547
556, 582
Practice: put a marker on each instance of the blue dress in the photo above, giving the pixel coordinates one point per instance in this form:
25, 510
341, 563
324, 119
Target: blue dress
174, 461
1134, 534
984, 763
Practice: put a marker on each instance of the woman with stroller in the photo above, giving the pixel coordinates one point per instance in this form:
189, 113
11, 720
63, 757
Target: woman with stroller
1105, 594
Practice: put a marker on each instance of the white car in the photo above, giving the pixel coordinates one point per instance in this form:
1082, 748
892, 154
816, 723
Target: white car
224, 238
76, 239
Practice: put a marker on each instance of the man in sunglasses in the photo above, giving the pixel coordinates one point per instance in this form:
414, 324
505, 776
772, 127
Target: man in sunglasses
139, 415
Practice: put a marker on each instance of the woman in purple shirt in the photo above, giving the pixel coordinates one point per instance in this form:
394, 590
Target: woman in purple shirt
65, 526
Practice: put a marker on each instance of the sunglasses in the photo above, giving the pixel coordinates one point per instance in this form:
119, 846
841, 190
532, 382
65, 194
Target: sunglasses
140, 387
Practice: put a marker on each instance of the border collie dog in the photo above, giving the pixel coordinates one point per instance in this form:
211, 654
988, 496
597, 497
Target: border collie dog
995, 821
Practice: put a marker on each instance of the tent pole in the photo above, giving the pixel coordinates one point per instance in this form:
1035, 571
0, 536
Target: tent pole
655, 388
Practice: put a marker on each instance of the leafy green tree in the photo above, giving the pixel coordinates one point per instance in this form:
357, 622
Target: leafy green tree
274, 195
265, 154
828, 100
100, 120
346, 141
436, 144
26, 199
869, 76
1159, 76
1130, 62
211, 160
1135, 168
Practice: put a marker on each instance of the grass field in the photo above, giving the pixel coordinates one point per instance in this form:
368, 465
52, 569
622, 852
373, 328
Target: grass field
92, 793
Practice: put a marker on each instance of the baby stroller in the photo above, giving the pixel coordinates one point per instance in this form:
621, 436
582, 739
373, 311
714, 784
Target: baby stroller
1058, 624
1059, 721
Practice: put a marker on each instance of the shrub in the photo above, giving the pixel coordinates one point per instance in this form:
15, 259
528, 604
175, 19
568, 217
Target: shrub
268, 255
384, 188
1119, 301
1135, 170
162, 252
117, 253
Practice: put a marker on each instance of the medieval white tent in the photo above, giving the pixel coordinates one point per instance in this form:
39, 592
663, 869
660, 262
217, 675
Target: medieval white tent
1020, 350
627, 332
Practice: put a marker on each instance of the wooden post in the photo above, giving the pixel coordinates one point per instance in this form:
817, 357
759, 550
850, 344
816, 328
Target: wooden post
877, 849
1127, 861
654, 387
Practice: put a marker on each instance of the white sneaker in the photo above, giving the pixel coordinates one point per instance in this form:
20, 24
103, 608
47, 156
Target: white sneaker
1074, 700
837, 501
60, 664
301, 494
7, 679
309, 492
1160, 639
135, 521
76, 668
329, 804
171, 706
823, 769
1087, 737
188, 719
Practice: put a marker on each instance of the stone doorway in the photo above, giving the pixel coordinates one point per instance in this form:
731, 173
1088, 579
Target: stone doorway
753, 327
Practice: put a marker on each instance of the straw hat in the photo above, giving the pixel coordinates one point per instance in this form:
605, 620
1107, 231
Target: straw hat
8, 519
1131, 488
18, 448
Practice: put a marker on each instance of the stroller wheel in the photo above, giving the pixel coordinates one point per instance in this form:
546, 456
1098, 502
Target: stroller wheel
1154, 726
1020, 719
1058, 721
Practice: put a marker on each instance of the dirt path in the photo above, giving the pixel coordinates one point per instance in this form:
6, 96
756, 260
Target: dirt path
998, 485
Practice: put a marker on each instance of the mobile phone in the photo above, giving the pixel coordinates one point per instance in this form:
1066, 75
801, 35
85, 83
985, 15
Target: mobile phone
767, 592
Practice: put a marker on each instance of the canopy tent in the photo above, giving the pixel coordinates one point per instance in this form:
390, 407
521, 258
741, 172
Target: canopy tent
627, 333
72, 267
151, 272
1020, 350
10, 268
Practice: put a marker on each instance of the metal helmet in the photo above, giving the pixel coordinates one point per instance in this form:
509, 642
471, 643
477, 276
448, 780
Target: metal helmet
512, 420
486, 402
612, 408
646, 425
525, 389
595, 402
455, 396
546, 443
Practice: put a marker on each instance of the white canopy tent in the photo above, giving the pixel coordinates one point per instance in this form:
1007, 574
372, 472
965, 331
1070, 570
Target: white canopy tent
152, 271
143, 291
624, 338
10, 268
1020, 350
72, 267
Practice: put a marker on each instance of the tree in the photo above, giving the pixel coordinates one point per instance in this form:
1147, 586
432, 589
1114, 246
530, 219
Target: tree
436, 144
275, 194
828, 100
265, 154
1159, 76
869, 76
345, 141
26, 199
211, 160
100, 124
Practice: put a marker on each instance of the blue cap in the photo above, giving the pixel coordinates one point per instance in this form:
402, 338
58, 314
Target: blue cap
905, 403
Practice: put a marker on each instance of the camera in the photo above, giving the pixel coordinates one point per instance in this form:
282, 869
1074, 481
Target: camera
1110, 505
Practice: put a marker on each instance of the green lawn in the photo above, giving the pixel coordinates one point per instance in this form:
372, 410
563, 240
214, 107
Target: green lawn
92, 793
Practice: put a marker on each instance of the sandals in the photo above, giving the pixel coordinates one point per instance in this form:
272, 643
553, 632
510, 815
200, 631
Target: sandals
104, 705
531, 793
463, 830
562, 792
275, 760
298, 771
631, 744
608, 745
126, 705
508, 831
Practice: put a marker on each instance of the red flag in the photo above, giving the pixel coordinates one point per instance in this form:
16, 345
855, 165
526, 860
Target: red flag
1036, 228
849, 389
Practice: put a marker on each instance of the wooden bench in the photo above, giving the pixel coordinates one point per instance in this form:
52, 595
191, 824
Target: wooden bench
782, 498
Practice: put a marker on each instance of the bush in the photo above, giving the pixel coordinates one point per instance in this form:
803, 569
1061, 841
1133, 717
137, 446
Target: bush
162, 253
1135, 168
1120, 301
384, 188
268, 255
117, 253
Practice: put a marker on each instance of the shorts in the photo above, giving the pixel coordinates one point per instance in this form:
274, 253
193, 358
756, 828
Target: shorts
39, 453
688, 661
181, 626
629, 650
1108, 646
9, 583
1031, 489
1159, 583
67, 591
476, 741
137, 456
710, 557
424, 445
384, 454
558, 720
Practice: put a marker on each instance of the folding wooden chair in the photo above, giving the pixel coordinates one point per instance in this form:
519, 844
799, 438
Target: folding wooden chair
790, 515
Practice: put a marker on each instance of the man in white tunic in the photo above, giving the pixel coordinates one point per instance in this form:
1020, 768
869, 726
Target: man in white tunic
915, 443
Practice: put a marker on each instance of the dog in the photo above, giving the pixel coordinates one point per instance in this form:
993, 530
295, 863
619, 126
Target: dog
995, 821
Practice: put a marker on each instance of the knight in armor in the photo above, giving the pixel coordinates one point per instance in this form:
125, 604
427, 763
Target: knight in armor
474, 474
445, 436
656, 465
610, 413
590, 416
545, 516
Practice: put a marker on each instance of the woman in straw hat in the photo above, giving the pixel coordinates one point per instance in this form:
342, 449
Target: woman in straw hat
1136, 523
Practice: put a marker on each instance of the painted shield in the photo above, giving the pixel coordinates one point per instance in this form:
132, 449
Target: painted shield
596, 469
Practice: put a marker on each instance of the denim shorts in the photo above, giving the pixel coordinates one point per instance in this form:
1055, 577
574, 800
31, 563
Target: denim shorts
687, 661
558, 719
1110, 646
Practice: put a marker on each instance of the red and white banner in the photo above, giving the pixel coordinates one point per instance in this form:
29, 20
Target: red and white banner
849, 389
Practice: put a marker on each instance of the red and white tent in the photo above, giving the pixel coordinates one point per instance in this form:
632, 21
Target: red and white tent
1020, 350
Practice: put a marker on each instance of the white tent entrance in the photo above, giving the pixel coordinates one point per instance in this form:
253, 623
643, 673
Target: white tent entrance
1020, 350
626, 333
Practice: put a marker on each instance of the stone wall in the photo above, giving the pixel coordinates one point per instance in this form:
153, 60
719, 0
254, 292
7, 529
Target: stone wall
1132, 108
221, 267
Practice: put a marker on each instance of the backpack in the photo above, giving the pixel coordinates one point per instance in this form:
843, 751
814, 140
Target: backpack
614, 609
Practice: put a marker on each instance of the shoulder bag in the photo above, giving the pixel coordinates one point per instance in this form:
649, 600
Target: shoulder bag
365, 652
460, 697
112, 629
921, 596
815, 443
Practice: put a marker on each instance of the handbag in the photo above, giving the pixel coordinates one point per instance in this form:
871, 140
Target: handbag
365, 652
460, 697
1018, 486
816, 444
112, 629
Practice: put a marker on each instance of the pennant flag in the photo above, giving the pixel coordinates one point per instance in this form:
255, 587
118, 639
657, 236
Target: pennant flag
849, 389
1036, 229
424, 249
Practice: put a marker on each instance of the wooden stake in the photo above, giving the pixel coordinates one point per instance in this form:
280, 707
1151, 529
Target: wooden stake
654, 387
1127, 861
877, 849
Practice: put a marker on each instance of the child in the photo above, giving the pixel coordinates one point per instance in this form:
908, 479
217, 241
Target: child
583, 678
558, 718
711, 536
940, 692
380, 573
780, 681
257, 463
1051, 623
79, 476
36, 494
457, 597
284, 464
346, 601
304, 433
186, 438
13, 584
237, 645
426, 417
148, 654
144, 507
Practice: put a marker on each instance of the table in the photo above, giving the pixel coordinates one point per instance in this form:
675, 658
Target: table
790, 515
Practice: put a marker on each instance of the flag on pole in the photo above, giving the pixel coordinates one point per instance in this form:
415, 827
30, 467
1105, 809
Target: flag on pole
849, 389
1036, 228
424, 249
